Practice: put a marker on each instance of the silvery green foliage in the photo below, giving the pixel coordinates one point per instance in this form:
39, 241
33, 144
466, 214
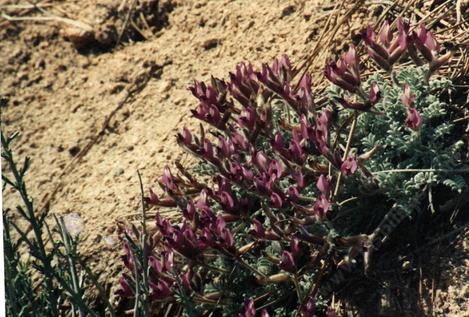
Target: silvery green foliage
430, 147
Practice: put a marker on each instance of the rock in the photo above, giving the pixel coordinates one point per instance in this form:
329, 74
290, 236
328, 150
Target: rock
78, 36
74, 150
288, 10
211, 43
118, 172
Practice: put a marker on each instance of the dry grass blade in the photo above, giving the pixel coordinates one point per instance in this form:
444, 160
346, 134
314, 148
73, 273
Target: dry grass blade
126, 22
75, 23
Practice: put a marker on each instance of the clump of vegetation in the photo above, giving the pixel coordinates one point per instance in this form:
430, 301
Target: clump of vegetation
52, 281
288, 192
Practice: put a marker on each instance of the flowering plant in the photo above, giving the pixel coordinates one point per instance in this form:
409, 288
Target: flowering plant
269, 228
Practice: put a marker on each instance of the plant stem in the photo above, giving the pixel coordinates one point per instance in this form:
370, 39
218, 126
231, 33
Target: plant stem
417, 170
71, 263
42, 255
346, 152
144, 247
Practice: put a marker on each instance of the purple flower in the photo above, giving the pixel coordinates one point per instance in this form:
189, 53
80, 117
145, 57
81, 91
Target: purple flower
223, 234
345, 73
163, 225
220, 225
331, 312
202, 203
263, 184
300, 180
276, 200
426, 43
125, 290
227, 238
183, 241
257, 230
185, 138
413, 119
293, 193
277, 78
249, 309
277, 142
243, 84
239, 141
225, 147
276, 168
159, 290
324, 184
155, 264
226, 201
305, 127
308, 308
352, 105
210, 114
199, 90
295, 247
236, 171
305, 94
373, 98
261, 161
152, 199
282, 65
247, 119
208, 150
349, 166
265, 117
212, 94
206, 239
408, 98
321, 206
389, 50
374, 94
265, 313
248, 174
186, 280
189, 212
295, 150
167, 180
397, 49
321, 132
168, 259
287, 262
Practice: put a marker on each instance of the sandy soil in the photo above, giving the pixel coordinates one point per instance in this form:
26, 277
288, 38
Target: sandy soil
90, 118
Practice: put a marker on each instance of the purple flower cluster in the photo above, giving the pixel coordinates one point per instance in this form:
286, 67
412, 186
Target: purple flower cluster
271, 176
345, 73
390, 47
161, 280
385, 48
278, 79
307, 309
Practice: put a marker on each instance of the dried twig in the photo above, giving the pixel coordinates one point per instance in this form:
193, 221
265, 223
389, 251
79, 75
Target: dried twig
126, 21
68, 21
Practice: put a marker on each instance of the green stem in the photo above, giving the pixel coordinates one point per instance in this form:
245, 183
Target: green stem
71, 263
417, 170
42, 254
143, 244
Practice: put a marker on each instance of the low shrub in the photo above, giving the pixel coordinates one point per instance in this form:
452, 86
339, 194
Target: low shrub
289, 191
45, 275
